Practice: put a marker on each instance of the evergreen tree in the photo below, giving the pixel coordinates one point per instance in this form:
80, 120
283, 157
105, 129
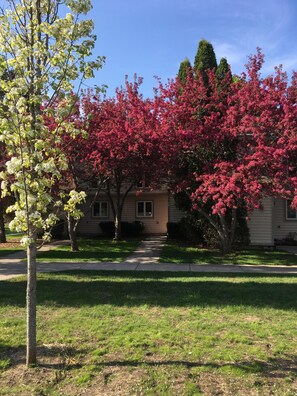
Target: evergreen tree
184, 68
205, 58
222, 70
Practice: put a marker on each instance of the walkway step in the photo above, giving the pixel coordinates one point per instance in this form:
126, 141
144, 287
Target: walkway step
148, 252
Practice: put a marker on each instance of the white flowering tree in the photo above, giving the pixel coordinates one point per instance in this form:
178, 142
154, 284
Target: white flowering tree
47, 45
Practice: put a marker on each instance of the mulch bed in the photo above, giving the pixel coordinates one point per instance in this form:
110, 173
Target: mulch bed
11, 244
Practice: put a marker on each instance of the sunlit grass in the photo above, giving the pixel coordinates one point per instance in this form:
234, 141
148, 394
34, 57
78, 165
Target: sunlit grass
96, 249
176, 253
146, 330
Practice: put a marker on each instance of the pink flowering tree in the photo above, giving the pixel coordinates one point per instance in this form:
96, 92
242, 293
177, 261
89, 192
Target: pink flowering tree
232, 143
123, 143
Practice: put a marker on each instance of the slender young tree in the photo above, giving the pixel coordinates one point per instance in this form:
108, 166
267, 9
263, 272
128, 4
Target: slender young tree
47, 50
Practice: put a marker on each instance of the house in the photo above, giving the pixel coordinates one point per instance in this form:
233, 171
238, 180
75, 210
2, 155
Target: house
275, 221
149, 207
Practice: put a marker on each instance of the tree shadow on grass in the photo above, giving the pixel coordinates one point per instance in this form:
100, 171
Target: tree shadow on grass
273, 367
51, 356
76, 289
62, 357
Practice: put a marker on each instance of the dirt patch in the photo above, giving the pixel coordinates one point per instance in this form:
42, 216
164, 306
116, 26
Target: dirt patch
124, 381
11, 244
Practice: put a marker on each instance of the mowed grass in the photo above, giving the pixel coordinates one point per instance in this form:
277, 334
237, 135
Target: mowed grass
152, 334
95, 249
7, 251
174, 252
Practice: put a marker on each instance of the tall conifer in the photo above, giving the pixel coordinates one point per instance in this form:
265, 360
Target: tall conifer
205, 58
184, 68
223, 69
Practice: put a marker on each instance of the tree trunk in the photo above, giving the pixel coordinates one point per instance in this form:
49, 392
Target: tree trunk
226, 244
227, 232
117, 225
31, 304
2, 226
72, 234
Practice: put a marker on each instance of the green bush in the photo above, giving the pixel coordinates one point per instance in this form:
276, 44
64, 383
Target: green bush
174, 230
186, 229
58, 230
129, 229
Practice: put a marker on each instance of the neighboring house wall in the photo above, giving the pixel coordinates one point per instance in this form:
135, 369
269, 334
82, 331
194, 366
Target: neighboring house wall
265, 225
282, 227
155, 224
174, 214
261, 224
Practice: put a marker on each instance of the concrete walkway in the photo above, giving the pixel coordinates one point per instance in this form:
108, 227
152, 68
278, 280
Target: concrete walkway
145, 258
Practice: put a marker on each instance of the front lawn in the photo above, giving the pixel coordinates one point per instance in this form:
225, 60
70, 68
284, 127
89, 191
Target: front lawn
176, 253
152, 334
95, 249
10, 249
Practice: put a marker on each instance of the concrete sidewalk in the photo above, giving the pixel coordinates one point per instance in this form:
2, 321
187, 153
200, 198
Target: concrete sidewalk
145, 258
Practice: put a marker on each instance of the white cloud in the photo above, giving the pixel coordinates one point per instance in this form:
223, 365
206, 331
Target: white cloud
288, 62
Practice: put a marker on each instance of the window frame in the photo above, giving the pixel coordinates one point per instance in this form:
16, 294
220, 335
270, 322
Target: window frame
288, 203
144, 216
100, 216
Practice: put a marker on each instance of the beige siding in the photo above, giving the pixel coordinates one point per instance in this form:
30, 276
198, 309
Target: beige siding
89, 225
154, 225
282, 227
261, 224
175, 215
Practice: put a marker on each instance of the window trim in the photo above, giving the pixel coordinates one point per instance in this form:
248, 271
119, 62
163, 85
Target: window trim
99, 216
144, 216
288, 202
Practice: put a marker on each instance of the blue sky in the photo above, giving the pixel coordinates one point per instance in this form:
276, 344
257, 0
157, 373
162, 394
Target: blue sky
152, 37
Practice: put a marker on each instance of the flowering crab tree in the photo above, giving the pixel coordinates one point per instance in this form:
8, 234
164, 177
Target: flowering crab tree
262, 115
232, 143
123, 143
46, 50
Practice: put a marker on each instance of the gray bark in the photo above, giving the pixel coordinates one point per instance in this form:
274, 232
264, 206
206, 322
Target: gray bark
2, 225
31, 305
72, 234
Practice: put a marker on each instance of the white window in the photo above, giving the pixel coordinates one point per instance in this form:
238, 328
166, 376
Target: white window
100, 209
291, 214
144, 209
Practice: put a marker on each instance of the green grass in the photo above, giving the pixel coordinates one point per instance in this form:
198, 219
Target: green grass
175, 253
96, 249
152, 334
12, 235
6, 251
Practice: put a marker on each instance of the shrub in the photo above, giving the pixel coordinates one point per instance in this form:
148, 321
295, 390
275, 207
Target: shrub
107, 228
58, 230
174, 230
132, 229
129, 229
186, 229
